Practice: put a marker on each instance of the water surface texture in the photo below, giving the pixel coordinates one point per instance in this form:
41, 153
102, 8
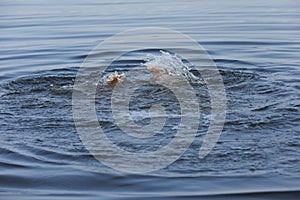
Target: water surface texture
256, 47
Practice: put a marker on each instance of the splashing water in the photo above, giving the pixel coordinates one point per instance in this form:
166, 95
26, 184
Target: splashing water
161, 64
171, 64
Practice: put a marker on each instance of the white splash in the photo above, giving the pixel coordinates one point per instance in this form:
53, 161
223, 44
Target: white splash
171, 64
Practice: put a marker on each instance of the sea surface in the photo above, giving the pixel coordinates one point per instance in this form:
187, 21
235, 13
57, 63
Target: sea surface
255, 46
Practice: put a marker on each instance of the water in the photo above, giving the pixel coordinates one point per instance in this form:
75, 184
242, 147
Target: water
255, 45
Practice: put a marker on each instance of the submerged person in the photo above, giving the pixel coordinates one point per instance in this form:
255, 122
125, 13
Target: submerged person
157, 73
114, 79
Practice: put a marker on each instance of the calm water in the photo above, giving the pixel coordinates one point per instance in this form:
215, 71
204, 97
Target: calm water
256, 46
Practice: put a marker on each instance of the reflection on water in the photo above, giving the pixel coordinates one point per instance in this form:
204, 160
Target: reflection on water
256, 48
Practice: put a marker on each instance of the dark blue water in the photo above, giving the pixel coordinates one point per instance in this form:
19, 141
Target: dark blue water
256, 47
